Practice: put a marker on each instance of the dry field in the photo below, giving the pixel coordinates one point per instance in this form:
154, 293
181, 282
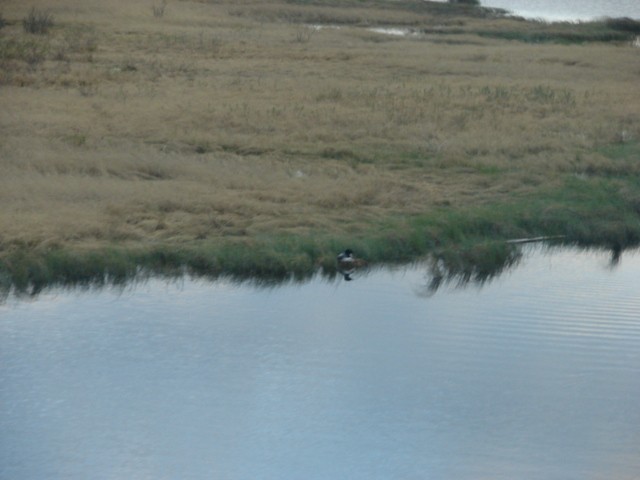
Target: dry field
141, 122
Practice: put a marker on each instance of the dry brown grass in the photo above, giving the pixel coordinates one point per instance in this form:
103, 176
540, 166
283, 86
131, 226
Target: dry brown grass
219, 119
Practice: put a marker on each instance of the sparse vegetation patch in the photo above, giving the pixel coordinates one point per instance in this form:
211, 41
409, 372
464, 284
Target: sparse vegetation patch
37, 22
159, 9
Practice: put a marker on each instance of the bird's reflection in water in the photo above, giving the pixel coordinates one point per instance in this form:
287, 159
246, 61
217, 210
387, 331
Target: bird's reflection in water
347, 274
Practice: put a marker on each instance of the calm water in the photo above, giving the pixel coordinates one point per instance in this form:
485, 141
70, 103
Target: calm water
533, 376
568, 9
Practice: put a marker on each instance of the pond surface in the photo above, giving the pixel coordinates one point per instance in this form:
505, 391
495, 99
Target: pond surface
568, 10
535, 375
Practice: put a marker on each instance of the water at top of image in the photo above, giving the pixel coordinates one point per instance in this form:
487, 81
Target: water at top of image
568, 10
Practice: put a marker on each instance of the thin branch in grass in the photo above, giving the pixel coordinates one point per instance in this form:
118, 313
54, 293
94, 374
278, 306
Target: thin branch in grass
304, 33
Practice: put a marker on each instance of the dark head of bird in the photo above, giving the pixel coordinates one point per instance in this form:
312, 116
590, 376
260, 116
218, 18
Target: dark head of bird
345, 256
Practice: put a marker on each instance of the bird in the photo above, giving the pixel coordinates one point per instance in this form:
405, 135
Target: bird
345, 257
347, 263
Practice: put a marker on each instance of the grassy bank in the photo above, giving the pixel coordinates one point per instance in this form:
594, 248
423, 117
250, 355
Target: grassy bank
241, 138
472, 244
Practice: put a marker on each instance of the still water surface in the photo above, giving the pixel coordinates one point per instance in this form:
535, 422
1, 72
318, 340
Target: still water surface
533, 376
568, 10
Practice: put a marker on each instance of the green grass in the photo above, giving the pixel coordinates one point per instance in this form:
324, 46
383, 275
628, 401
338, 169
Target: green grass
467, 8
469, 244
622, 151
611, 30
531, 31
566, 37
